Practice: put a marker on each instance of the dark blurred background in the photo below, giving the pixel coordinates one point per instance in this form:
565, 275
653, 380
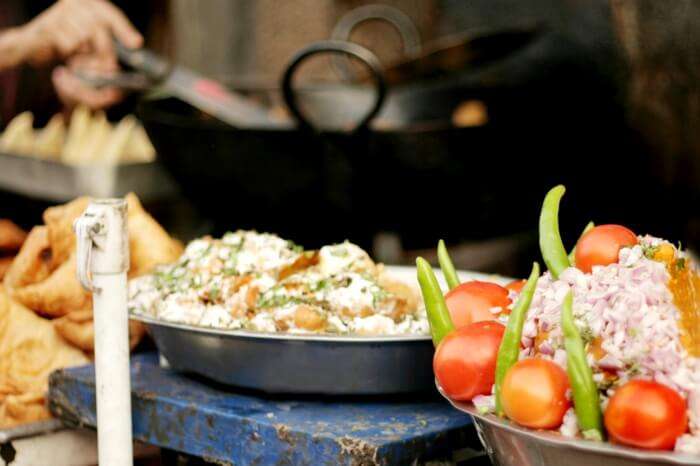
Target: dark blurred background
602, 97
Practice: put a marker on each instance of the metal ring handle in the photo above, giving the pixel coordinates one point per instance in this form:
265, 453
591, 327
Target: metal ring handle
84, 227
337, 47
410, 37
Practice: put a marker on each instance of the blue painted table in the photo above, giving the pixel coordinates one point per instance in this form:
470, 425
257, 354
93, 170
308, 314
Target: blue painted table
204, 420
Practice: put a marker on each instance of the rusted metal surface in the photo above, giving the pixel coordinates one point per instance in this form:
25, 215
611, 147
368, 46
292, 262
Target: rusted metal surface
193, 417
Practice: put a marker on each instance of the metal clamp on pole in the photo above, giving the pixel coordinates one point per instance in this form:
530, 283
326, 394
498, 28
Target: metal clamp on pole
102, 263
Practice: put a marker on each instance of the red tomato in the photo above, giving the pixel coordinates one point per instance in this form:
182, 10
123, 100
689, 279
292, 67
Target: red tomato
646, 414
472, 302
516, 285
601, 246
534, 394
465, 360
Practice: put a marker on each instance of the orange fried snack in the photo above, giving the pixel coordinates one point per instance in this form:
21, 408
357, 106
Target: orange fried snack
31, 265
59, 223
57, 295
77, 328
5, 263
11, 236
30, 349
149, 244
43, 276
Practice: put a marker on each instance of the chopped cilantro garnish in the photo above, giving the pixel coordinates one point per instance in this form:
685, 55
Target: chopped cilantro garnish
587, 335
339, 251
295, 247
633, 369
650, 251
214, 292
268, 300
680, 263
167, 279
320, 285
378, 295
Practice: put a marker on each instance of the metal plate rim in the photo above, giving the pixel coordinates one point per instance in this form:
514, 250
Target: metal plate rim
31, 429
559, 441
280, 336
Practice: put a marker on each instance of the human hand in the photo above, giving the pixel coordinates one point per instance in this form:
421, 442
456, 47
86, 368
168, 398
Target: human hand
72, 27
71, 90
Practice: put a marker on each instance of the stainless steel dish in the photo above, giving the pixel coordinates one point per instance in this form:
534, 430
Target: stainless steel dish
510, 445
303, 364
279, 363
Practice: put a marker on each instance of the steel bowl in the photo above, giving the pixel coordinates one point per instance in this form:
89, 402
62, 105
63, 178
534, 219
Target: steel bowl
284, 363
299, 364
510, 445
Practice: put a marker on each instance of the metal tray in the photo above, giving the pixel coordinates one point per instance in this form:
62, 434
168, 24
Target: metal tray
303, 364
30, 430
54, 181
510, 445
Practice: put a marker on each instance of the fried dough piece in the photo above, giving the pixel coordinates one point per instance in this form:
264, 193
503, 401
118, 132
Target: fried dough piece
42, 277
31, 265
117, 141
18, 135
78, 131
56, 296
11, 236
5, 263
23, 409
137, 330
49, 141
30, 349
149, 243
138, 147
59, 221
403, 291
302, 263
78, 329
309, 318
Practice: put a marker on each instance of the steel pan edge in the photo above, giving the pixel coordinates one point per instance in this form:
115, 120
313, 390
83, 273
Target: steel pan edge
510, 445
295, 364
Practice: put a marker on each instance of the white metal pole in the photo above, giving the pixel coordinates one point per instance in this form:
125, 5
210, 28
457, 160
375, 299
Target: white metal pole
103, 260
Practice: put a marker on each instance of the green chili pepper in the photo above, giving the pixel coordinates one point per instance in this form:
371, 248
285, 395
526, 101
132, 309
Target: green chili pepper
448, 269
510, 344
438, 314
572, 254
551, 246
583, 387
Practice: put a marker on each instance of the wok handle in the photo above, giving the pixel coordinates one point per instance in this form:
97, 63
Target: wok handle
410, 37
335, 47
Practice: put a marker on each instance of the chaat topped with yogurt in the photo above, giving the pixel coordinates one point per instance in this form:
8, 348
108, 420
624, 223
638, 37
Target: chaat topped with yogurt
261, 282
605, 345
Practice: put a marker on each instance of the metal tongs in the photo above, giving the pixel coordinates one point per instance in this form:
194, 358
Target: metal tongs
151, 70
